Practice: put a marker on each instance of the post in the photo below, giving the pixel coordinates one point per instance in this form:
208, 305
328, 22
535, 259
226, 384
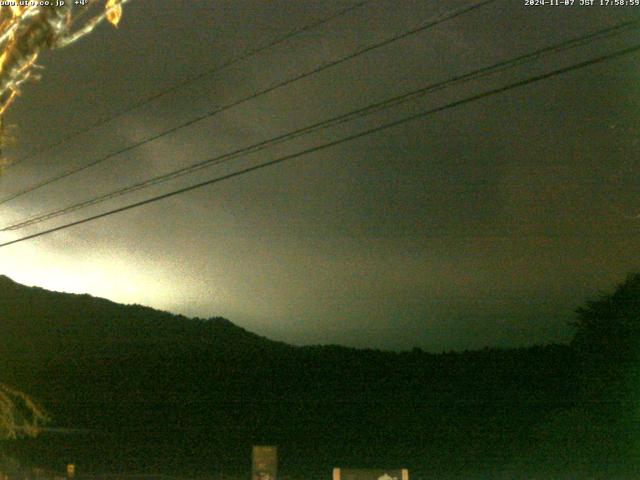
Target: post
264, 462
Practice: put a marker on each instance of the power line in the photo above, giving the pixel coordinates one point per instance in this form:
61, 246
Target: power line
432, 23
234, 60
368, 110
495, 91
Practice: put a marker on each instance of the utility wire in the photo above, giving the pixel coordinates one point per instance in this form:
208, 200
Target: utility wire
432, 23
368, 110
488, 93
173, 88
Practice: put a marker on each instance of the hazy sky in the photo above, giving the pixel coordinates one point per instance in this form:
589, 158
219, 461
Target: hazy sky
486, 224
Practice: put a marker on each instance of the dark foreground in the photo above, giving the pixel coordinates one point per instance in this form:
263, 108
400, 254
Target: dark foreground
147, 392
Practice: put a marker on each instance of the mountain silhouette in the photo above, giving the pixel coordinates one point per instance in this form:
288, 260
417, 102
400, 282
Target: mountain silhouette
154, 391
43, 322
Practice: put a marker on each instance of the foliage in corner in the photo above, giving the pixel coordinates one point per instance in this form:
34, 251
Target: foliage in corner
19, 414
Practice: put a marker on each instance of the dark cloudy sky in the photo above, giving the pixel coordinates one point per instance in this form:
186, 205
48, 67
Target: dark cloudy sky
486, 224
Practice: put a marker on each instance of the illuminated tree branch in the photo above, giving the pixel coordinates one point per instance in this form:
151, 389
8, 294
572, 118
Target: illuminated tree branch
19, 415
27, 31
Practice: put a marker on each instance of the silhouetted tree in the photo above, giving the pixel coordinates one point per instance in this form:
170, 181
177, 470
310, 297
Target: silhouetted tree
610, 325
607, 342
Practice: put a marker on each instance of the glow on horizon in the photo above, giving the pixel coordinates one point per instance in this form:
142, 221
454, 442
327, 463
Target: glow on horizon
115, 277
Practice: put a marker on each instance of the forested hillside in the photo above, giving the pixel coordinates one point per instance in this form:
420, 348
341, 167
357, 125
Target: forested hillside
151, 391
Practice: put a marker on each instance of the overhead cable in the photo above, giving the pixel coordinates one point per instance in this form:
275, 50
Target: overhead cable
350, 116
414, 31
420, 115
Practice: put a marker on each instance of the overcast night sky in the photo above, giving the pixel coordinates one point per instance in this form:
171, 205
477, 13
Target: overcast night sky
485, 224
